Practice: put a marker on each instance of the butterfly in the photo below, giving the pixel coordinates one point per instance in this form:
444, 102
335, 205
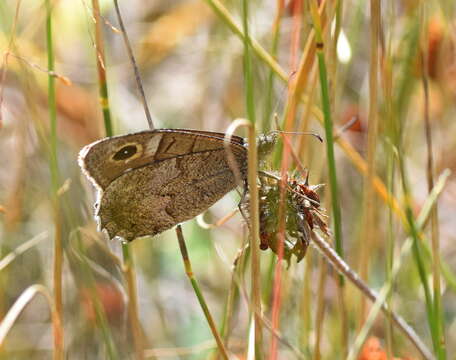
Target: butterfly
149, 181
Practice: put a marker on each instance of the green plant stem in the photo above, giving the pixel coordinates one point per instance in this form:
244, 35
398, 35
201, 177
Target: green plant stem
199, 294
328, 124
101, 69
130, 276
417, 254
248, 75
440, 328
387, 80
54, 170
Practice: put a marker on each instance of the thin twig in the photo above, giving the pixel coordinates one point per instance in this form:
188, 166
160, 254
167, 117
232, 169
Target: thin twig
134, 65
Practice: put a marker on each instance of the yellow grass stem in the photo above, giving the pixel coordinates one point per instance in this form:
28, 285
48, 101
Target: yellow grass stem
254, 229
54, 170
369, 199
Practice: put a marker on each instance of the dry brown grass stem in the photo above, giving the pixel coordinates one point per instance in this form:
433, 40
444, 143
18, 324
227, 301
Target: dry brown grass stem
254, 223
369, 199
134, 66
130, 277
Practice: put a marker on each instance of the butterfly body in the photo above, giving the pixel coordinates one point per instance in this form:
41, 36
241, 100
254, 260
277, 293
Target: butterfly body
150, 181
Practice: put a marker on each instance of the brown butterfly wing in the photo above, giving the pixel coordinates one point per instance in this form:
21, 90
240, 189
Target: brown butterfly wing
187, 173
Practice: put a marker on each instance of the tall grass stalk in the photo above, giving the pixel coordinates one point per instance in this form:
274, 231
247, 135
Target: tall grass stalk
440, 328
254, 236
387, 85
332, 172
252, 183
54, 170
248, 74
418, 252
101, 69
130, 277
328, 123
291, 110
369, 199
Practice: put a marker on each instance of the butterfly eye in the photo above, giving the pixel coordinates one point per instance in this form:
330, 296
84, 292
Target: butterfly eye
125, 152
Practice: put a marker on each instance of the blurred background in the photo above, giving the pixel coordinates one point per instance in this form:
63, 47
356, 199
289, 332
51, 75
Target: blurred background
191, 64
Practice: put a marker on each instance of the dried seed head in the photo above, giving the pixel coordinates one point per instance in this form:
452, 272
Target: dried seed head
302, 215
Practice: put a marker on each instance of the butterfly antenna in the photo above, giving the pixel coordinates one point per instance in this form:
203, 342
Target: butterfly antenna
318, 136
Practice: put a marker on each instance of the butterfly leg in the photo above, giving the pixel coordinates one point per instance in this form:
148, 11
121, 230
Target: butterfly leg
243, 202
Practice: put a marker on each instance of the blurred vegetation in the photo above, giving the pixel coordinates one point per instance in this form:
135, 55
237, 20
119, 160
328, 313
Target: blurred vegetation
394, 135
